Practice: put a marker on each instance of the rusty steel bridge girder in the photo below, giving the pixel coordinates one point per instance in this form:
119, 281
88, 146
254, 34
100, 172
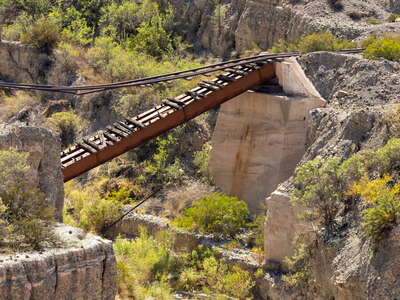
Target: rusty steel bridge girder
91, 159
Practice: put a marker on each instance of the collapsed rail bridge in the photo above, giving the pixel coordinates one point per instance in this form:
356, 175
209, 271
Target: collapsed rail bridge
239, 76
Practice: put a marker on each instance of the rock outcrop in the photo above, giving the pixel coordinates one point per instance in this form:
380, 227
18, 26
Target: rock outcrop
44, 157
239, 25
354, 119
84, 269
27, 64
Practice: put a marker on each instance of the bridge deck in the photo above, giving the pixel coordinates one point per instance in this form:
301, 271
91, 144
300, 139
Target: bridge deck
126, 134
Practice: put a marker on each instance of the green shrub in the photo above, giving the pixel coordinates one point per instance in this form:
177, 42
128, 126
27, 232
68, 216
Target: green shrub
43, 34
373, 21
143, 265
25, 216
387, 47
318, 188
122, 195
323, 41
86, 208
163, 168
384, 197
68, 124
201, 160
393, 17
202, 270
299, 266
371, 175
15, 103
217, 214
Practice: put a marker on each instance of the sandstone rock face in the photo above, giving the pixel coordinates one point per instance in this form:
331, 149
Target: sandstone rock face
239, 25
85, 269
259, 138
44, 149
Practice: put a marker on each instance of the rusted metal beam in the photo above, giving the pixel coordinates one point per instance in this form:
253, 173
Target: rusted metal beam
89, 161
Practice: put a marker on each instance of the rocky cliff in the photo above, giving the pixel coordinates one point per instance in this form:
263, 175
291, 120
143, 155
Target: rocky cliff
84, 269
359, 94
238, 25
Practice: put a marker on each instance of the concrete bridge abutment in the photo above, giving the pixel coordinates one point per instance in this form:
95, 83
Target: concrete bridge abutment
258, 141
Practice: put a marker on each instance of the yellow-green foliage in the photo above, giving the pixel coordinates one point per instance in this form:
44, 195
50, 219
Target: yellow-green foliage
143, 264
147, 268
323, 41
299, 266
24, 215
43, 33
384, 197
86, 208
318, 187
164, 168
201, 159
217, 214
393, 17
371, 175
68, 124
392, 120
14, 104
387, 46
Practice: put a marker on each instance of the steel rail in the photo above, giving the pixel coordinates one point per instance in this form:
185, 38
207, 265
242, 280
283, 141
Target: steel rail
89, 89
150, 80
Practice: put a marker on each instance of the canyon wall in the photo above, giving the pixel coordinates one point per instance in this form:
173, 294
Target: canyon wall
355, 118
232, 26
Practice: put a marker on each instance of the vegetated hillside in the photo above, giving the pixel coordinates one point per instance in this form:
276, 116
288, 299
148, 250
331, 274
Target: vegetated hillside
90, 41
240, 25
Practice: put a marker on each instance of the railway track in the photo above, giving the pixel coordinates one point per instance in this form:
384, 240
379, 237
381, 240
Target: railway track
238, 76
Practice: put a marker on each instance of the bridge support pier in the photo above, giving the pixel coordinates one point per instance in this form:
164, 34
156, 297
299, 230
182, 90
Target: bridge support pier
258, 141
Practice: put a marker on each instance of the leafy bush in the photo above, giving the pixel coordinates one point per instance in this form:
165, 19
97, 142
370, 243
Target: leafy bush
68, 124
203, 270
217, 214
387, 47
146, 268
24, 215
122, 195
15, 103
201, 159
384, 196
86, 208
143, 265
393, 17
371, 175
373, 21
43, 33
323, 41
319, 189
163, 168
298, 265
